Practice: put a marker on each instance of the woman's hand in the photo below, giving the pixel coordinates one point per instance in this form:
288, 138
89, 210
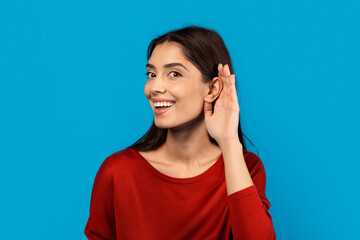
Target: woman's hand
222, 125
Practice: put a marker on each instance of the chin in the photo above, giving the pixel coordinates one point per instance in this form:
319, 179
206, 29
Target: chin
161, 125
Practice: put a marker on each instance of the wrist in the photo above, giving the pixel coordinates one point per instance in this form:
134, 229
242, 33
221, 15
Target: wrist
230, 143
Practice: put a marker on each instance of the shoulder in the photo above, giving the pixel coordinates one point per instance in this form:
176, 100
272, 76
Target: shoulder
250, 157
116, 162
253, 162
257, 173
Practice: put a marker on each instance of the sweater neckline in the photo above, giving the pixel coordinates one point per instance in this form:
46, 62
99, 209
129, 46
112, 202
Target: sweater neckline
219, 162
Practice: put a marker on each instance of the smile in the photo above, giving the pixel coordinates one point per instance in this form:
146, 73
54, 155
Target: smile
160, 108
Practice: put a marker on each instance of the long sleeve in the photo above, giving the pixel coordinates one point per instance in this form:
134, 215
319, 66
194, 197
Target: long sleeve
249, 207
131, 199
101, 222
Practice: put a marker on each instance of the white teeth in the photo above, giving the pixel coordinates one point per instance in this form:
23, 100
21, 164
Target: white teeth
162, 104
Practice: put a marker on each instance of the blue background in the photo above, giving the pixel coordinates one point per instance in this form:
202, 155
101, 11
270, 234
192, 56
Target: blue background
71, 93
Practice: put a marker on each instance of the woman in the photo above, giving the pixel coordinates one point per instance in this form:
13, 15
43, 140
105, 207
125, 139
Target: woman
189, 176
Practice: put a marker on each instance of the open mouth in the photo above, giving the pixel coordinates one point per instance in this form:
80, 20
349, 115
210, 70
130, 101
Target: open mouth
162, 108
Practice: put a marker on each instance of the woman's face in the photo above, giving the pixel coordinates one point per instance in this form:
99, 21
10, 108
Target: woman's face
172, 77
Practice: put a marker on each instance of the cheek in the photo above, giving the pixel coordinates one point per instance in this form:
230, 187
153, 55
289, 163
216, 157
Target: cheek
147, 90
192, 103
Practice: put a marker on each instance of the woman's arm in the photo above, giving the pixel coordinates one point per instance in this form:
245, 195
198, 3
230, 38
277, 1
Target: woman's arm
101, 222
248, 205
236, 172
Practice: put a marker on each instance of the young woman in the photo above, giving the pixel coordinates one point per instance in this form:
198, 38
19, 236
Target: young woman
190, 176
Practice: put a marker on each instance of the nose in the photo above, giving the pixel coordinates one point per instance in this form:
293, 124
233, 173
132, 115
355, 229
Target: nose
157, 85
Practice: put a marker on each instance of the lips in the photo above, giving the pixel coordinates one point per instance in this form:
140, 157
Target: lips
161, 100
162, 110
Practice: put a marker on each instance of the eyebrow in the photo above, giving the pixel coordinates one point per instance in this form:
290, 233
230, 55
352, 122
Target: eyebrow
169, 65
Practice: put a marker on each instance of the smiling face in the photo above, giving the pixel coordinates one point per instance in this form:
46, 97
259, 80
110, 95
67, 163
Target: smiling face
171, 76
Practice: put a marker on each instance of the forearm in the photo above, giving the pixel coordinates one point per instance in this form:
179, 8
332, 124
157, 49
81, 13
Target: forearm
248, 208
237, 175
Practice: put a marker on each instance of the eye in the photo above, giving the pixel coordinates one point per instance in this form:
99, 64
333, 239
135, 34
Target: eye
175, 74
148, 74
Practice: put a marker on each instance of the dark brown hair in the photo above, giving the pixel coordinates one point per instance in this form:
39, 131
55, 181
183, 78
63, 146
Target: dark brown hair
205, 49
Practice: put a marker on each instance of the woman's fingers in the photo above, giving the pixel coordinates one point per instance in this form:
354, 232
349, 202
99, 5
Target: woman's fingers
220, 69
228, 82
224, 74
226, 70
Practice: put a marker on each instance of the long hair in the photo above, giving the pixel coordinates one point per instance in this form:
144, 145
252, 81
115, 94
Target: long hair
205, 49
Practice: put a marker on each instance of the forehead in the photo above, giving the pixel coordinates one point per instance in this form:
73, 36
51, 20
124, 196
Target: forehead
167, 52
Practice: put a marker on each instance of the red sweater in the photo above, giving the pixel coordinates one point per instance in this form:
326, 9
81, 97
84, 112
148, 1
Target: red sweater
132, 200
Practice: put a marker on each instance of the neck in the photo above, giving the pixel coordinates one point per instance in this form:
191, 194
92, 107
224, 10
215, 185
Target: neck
189, 144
